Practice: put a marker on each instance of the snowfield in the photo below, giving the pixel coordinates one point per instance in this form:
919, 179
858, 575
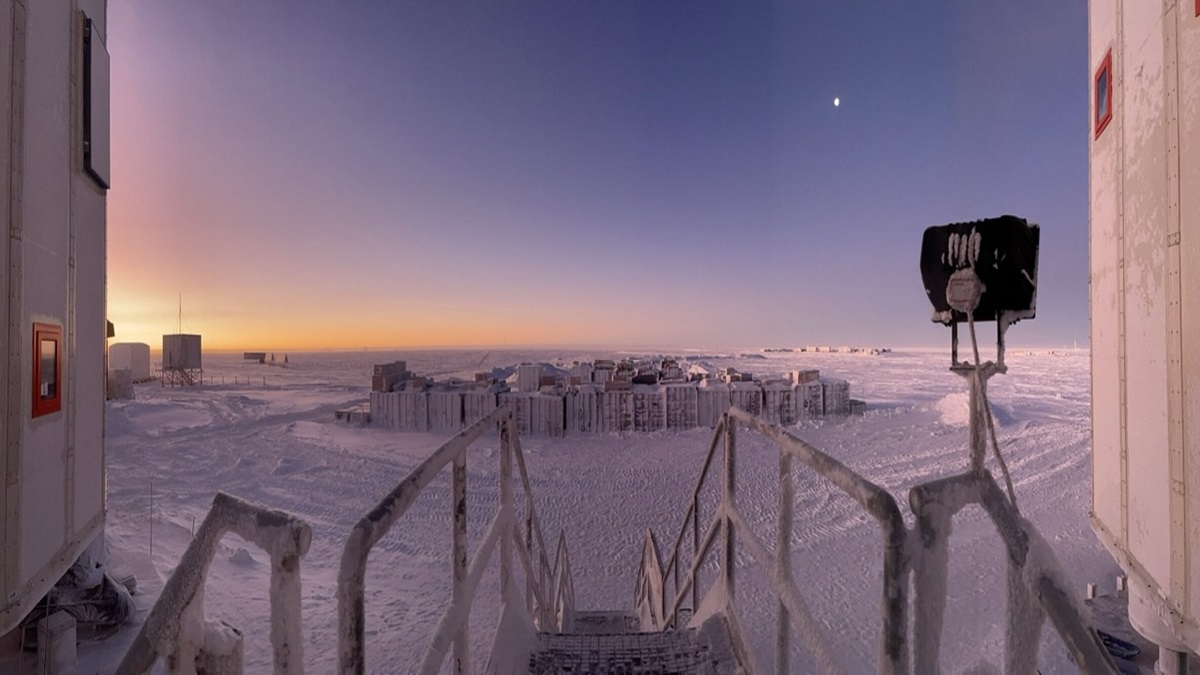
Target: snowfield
274, 441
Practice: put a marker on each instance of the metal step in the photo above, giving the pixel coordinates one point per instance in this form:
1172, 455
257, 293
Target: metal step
616, 649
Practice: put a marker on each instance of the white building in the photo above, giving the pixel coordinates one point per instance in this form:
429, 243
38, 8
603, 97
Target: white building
1144, 165
54, 175
131, 356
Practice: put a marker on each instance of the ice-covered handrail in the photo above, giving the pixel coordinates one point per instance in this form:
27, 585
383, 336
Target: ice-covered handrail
1037, 585
550, 597
875, 500
564, 586
649, 594
1036, 582
175, 627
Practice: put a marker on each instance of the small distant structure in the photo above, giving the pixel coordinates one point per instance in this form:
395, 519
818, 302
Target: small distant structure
131, 356
182, 365
358, 414
529, 377
128, 362
385, 376
261, 357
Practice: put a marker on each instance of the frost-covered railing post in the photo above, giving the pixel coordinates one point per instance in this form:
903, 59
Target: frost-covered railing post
458, 587
794, 616
176, 628
728, 506
1036, 583
550, 595
783, 560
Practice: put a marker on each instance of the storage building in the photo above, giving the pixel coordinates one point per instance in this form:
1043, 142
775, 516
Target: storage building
479, 402
445, 406
54, 177
747, 396
810, 400
536, 413
649, 407
682, 406
131, 356
779, 402
529, 377
836, 395
712, 401
1144, 163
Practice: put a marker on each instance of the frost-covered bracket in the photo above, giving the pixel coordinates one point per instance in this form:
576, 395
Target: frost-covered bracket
984, 270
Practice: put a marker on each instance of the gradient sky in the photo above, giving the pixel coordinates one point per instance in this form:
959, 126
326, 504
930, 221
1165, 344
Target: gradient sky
649, 173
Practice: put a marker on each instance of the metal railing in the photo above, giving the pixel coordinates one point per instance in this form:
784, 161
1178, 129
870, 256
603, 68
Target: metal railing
549, 590
1036, 584
176, 629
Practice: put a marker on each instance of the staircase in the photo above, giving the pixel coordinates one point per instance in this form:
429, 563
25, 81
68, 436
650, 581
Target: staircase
678, 622
607, 642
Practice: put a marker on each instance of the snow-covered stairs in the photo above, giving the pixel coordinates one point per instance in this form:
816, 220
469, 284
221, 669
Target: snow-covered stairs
608, 643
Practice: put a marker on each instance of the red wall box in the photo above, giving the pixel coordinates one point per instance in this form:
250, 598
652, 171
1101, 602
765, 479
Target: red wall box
47, 369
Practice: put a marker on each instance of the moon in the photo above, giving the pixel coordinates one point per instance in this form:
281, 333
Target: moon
836, 101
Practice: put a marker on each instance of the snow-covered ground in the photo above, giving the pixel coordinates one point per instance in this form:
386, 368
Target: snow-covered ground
274, 441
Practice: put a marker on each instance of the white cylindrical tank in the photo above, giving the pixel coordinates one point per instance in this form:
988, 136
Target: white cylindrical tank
1144, 164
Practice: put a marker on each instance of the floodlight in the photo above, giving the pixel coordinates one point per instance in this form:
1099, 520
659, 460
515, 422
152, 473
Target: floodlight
986, 267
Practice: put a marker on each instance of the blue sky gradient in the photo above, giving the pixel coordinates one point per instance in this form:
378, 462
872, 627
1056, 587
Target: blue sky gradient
625, 174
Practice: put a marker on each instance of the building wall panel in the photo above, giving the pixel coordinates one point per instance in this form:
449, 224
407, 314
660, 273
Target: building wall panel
1143, 251
477, 404
779, 404
747, 396
1188, 83
1105, 279
712, 401
810, 400
615, 411
445, 411
681, 406
649, 408
835, 396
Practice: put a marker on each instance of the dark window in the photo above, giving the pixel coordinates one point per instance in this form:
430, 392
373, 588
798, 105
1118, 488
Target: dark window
47, 369
1102, 96
95, 104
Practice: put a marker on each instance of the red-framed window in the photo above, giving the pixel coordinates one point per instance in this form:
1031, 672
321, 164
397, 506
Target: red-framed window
47, 368
1102, 91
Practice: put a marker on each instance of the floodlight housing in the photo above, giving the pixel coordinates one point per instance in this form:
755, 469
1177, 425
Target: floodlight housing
1003, 254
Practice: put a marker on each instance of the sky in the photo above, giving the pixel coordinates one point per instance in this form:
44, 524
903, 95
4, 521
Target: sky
307, 174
